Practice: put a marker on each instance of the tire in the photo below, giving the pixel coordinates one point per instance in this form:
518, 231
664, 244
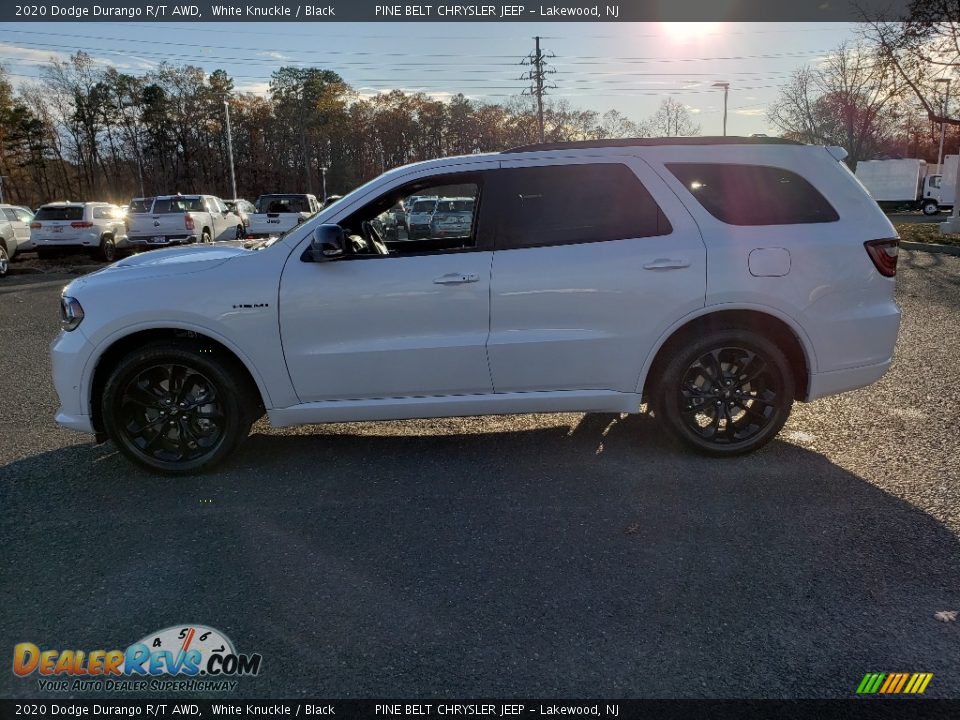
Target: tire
107, 250
726, 393
205, 237
170, 379
931, 208
4, 261
44, 254
241, 233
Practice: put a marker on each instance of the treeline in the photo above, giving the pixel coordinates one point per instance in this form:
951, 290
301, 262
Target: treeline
87, 131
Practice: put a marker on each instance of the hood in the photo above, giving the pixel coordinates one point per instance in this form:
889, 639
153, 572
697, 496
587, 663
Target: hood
168, 261
187, 255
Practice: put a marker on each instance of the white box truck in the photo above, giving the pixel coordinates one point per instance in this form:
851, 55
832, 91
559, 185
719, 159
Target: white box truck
901, 184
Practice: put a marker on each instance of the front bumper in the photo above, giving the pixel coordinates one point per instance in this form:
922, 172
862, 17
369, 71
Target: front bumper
69, 354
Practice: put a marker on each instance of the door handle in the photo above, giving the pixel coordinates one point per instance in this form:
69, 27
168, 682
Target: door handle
667, 264
456, 279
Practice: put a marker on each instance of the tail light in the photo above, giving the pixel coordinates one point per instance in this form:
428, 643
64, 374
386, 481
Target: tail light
81, 224
884, 255
35, 226
188, 221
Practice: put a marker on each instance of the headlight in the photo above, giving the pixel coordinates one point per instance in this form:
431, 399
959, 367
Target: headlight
71, 314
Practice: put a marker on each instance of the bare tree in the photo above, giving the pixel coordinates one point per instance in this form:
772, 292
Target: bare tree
848, 99
920, 50
672, 119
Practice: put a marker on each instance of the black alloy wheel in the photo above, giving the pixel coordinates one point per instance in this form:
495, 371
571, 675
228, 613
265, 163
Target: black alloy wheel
728, 394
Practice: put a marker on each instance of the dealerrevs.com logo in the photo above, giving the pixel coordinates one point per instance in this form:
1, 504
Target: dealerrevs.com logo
184, 657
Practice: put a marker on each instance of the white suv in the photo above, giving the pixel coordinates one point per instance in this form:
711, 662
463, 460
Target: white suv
14, 233
93, 226
716, 280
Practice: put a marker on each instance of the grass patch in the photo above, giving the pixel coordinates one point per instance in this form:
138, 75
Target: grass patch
926, 233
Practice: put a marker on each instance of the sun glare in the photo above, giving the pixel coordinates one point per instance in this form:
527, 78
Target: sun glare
686, 31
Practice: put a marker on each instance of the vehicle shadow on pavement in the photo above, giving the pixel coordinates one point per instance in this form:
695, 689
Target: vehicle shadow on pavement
591, 559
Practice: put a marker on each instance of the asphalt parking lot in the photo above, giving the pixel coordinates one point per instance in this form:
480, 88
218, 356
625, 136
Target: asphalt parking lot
564, 555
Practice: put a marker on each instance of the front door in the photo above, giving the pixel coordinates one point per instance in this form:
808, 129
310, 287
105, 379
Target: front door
409, 323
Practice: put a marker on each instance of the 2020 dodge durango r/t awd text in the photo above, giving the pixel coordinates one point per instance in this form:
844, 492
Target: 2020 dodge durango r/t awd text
717, 280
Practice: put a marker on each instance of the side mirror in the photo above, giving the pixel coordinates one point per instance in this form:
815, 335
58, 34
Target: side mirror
327, 243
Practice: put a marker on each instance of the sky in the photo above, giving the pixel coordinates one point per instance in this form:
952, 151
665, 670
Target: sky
629, 67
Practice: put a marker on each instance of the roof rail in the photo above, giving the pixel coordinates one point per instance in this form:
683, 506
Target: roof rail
653, 142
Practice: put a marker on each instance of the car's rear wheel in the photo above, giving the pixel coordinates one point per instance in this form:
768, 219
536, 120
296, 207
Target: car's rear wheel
726, 393
108, 249
241, 233
4, 261
176, 407
205, 236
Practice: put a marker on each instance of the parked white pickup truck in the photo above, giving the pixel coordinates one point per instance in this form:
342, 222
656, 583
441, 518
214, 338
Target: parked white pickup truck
276, 214
182, 219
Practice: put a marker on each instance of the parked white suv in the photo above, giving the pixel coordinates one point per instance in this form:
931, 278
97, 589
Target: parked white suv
96, 227
14, 234
716, 280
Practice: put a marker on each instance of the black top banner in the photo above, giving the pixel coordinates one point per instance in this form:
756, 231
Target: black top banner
438, 11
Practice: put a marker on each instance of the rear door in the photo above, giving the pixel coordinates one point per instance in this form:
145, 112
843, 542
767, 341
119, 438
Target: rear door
594, 259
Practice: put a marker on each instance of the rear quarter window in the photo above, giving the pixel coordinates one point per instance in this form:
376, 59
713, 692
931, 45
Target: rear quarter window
754, 194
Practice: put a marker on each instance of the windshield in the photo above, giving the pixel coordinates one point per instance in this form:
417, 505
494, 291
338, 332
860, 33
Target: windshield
283, 204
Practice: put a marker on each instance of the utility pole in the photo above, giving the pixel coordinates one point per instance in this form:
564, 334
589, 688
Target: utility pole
2, 178
726, 92
233, 177
943, 125
536, 75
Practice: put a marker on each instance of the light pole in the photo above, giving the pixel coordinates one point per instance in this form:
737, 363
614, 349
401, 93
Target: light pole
726, 91
233, 178
323, 175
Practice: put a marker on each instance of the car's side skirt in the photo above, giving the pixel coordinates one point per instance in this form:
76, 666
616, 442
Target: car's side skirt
408, 408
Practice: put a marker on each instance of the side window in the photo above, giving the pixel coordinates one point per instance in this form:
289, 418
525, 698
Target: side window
442, 218
753, 194
23, 216
566, 204
102, 213
10, 214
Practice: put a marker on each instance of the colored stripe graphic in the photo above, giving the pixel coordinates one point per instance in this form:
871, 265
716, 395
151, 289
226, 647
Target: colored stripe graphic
894, 683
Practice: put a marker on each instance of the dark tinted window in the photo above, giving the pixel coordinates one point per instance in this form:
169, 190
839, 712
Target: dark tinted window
283, 204
139, 206
562, 204
161, 206
754, 194
52, 212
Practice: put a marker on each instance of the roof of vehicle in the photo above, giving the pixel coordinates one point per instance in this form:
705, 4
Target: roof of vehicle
653, 142
68, 203
178, 195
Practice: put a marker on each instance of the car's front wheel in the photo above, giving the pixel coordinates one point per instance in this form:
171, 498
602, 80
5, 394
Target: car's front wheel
728, 392
931, 207
176, 407
4, 261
